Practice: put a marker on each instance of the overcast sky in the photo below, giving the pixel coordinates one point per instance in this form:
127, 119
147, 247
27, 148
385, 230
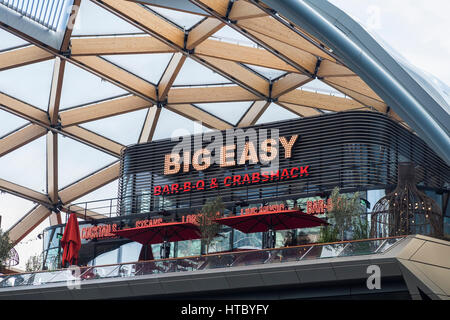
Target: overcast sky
417, 29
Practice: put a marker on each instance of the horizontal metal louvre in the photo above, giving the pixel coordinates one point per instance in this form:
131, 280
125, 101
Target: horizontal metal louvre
47, 13
353, 150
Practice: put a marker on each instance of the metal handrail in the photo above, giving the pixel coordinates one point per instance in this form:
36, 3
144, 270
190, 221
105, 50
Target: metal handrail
311, 245
195, 263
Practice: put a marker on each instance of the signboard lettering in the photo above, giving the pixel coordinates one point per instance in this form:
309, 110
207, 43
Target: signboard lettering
201, 159
98, 232
232, 181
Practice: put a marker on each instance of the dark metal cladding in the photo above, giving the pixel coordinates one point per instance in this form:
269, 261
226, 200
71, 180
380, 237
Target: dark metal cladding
355, 150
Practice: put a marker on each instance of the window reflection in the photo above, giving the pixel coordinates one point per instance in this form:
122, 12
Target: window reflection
247, 240
189, 248
130, 252
221, 243
109, 257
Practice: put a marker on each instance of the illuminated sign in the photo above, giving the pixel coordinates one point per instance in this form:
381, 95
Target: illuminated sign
264, 209
99, 232
191, 218
201, 159
318, 206
232, 181
148, 222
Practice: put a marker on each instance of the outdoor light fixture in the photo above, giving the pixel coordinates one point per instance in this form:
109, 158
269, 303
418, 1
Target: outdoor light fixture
406, 210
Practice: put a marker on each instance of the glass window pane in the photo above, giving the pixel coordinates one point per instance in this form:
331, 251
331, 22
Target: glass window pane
189, 248
247, 240
130, 252
221, 243
109, 257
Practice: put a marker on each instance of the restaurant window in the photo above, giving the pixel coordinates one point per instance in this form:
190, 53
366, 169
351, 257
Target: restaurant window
130, 252
222, 242
156, 249
247, 240
110, 257
373, 196
51, 252
189, 248
144, 201
52, 259
283, 238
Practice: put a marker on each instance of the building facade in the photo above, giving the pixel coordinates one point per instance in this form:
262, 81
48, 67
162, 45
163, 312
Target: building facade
355, 151
352, 113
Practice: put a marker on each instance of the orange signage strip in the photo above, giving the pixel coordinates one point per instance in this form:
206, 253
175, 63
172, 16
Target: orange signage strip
99, 232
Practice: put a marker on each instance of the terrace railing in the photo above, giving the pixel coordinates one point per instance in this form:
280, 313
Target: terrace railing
211, 261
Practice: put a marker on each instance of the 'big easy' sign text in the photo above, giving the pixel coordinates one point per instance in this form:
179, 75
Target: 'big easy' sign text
229, 157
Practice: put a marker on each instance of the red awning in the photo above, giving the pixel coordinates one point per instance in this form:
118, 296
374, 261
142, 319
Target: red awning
274, 220
71, 241
173, 231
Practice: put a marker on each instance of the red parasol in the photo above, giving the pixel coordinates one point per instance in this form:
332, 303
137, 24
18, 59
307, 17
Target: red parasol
71, 241
272, 220
169, 232
162, 233
146, 253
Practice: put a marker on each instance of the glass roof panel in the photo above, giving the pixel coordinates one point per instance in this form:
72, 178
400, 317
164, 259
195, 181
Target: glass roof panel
82, 87
93, 20
9, 40
276, 113
267, 72
15, 207
22, 83
109, 191
149, 67
77, 160
321, 87
10, 123
124, 128
193, 73
28, 171
228, 34
231, 112
182, 19
172, 123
